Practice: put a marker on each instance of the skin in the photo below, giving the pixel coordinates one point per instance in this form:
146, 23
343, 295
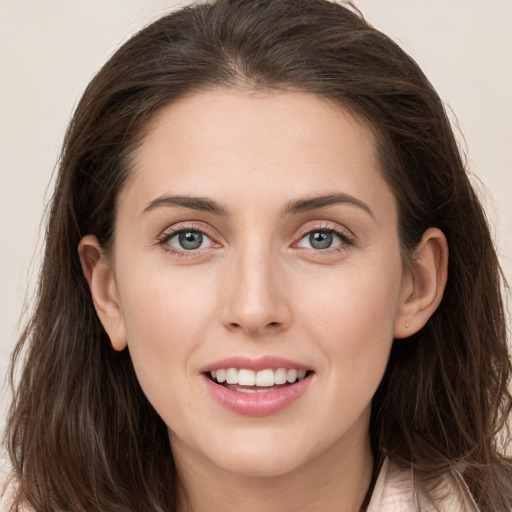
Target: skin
256, 287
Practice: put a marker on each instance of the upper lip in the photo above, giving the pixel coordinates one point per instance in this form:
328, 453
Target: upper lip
261, 363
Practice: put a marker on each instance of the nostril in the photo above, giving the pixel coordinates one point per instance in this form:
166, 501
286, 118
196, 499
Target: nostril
255, 327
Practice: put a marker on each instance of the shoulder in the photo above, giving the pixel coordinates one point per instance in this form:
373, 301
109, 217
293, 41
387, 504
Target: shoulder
395, 491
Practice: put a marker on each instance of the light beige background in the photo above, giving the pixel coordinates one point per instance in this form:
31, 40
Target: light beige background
50, 49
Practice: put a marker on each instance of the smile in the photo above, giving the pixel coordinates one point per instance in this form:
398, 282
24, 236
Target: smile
256, 387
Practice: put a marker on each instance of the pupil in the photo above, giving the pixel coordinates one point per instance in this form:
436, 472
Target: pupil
320, 239
190, 239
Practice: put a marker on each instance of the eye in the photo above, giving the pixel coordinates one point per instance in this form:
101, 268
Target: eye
322, 239
188, 240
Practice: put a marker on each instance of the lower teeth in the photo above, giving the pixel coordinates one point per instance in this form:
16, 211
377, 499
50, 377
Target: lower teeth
252, 389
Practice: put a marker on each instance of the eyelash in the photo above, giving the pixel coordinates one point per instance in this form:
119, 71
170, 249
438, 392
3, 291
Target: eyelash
164, 239
345, 237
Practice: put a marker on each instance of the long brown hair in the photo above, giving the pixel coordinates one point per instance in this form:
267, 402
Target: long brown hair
81, 434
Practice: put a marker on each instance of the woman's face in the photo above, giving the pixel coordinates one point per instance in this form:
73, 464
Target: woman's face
256, 233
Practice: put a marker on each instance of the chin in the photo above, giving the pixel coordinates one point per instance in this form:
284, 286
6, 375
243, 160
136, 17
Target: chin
262, 466
261, 458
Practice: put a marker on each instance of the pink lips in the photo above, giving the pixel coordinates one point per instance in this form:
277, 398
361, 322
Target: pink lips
254, 364
256, 404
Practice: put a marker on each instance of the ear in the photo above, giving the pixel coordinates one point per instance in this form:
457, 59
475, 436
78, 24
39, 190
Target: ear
424, 284
100, 276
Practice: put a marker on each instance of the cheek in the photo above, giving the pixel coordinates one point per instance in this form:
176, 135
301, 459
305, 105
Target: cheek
351, 316
166, 316
162, 305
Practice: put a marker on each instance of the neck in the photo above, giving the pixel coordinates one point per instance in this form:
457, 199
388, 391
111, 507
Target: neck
336, 480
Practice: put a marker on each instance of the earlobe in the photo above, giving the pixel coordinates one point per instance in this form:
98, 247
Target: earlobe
99, 274
424, 286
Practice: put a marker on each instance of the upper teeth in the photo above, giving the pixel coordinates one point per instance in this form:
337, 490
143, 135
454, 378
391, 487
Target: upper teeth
265, 378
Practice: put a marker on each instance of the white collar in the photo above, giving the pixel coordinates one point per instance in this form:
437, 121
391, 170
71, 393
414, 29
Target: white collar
395, 491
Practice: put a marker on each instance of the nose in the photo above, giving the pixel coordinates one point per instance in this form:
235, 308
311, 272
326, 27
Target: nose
255, 295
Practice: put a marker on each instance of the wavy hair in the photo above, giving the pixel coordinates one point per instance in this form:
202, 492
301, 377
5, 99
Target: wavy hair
81, 434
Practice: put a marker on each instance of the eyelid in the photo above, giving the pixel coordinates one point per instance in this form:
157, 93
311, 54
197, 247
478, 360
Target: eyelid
345, 234
171, 231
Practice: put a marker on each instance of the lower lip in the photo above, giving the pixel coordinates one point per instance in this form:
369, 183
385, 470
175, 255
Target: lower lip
257, 404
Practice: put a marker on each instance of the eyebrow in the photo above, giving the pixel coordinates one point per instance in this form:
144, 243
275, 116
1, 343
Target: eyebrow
294, 207
194, 203
312, 203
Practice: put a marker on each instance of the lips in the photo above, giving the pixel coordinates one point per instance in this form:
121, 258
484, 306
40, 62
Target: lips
260, 363
256, 387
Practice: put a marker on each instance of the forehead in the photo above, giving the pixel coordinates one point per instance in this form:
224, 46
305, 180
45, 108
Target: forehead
224, 118
241, 144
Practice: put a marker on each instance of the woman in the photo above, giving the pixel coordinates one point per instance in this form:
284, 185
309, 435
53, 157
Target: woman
267, 283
